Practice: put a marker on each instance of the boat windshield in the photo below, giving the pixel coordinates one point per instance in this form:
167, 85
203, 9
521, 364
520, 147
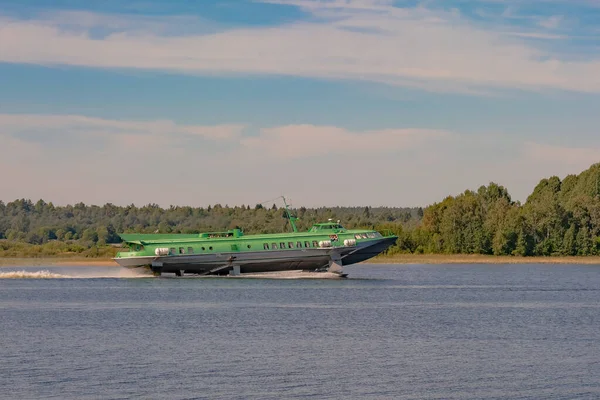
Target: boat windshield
322, 227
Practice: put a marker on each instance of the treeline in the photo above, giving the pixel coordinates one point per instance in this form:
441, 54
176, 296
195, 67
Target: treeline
43, 229
558, 218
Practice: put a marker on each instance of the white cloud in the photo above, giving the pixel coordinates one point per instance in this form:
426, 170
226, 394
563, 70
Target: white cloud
359, 40
562, 156
81, 21
71, 158
537, 35
552, 22
301, 141
157, 131
150, 161
142, 161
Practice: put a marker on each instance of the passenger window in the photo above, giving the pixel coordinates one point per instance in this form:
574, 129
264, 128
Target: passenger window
315, 243
190, 250
298, 244
172, 250
290, 245
357, 236
181, 250
306, 244
266, 246
274, 245
282, 245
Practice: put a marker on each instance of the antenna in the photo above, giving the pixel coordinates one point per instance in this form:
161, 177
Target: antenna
292, 219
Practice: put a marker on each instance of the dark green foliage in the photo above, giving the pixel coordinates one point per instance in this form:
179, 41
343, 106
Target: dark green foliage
559, 218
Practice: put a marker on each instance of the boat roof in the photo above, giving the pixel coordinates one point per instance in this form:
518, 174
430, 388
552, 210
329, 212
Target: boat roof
148, 238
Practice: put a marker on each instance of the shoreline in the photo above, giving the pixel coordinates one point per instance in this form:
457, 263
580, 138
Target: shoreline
422, 259
481, 259
57, 262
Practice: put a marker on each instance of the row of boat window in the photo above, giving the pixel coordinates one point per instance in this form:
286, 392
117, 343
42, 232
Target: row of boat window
190, 250
370, 235
290, 245
281, 245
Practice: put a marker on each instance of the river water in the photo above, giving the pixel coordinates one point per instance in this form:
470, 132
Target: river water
386, 332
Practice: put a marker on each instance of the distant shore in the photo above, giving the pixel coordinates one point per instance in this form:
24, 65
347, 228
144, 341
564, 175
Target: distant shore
395, 259
481, 259
57, 261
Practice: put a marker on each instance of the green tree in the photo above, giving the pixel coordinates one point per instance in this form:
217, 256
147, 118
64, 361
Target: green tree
570, 241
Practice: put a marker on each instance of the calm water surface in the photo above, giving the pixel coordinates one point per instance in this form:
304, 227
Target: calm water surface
401, 332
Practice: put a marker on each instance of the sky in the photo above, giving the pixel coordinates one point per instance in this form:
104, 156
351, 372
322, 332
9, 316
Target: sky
332, 102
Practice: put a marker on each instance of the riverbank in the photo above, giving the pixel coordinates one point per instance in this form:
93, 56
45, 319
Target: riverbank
481, 259
57, 261
395, 259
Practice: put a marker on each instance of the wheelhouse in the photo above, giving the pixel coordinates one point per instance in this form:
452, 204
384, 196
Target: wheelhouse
233, 233
327, 226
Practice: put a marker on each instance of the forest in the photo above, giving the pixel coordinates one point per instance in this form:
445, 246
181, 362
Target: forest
559, 218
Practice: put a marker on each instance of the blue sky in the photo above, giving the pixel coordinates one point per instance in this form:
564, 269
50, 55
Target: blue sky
352, 102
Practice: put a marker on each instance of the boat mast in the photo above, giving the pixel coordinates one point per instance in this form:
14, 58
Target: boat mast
292, 219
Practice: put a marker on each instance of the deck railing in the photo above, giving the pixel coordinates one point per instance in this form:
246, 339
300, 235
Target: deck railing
387, 232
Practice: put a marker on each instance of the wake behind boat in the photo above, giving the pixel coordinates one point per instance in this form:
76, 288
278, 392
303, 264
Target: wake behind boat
324, 247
